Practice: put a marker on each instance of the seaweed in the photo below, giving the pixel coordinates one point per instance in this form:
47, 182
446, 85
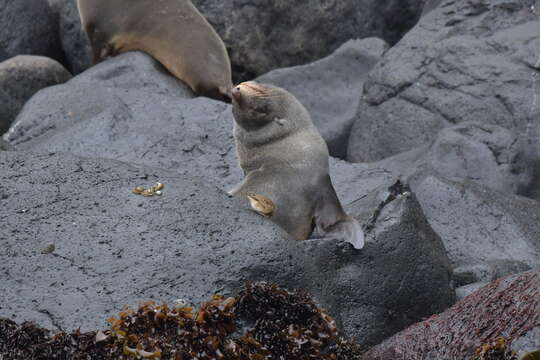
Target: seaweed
282, 325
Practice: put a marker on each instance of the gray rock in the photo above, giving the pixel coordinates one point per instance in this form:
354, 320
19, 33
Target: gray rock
29, 27
4, 145
487, 271
265, 35
479, 225
128, 108
331, 88
75, 43
20, 78
111, 247
466, 290
466, 61
527, 343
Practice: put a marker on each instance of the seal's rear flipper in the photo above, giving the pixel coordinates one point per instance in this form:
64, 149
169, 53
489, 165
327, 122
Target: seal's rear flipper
348, 230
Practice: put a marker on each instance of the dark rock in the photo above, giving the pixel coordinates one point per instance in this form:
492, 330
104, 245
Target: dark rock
466, 61
331, 88
479, 225
20, 78
114, 248
508, 307
29, 27
265, 35
75, 43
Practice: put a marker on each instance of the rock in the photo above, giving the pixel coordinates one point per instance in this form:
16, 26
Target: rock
265, 35
331, 88
114, 248
74, 40
488, 155
466, 61
507, 307
487, 271
20, 78
466, 290
479, 225
527, 343
128, 108
4, 145
29, 27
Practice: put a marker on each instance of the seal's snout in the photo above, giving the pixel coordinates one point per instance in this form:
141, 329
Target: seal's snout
236, 93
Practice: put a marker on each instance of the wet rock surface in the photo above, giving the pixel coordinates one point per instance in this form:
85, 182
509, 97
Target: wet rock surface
99, 247
508, 307
29, 28
331, 88
20, 78
464, 61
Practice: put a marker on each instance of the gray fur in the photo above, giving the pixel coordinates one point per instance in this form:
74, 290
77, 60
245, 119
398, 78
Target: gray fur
284, 158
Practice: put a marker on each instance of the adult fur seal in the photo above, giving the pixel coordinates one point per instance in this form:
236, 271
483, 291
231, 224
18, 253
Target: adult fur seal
171, 31
285, 159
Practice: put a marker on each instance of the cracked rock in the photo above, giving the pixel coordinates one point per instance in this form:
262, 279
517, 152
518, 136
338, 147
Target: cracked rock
114, 248
464, 61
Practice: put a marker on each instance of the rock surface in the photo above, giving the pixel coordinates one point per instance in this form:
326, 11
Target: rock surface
464, 61
331, 88
79, 245
20, 78
29, 27
130, 109
265, 35
508, 307
75, 43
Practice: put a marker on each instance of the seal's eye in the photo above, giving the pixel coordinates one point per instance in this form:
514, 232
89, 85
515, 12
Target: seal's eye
236, 93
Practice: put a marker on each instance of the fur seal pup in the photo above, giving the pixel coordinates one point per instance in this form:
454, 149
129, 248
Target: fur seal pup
172, 31
285, 159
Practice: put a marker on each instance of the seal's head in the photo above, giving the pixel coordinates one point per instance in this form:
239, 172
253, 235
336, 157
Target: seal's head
256, 105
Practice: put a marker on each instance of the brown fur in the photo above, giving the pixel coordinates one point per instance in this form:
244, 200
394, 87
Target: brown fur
171, 31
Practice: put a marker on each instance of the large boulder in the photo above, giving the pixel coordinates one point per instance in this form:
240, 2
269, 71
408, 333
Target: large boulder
331, 88
78, 245
75, 43
29, 27
507, 308
265, 35
481, 226
464, 61
130, 109
20, 78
